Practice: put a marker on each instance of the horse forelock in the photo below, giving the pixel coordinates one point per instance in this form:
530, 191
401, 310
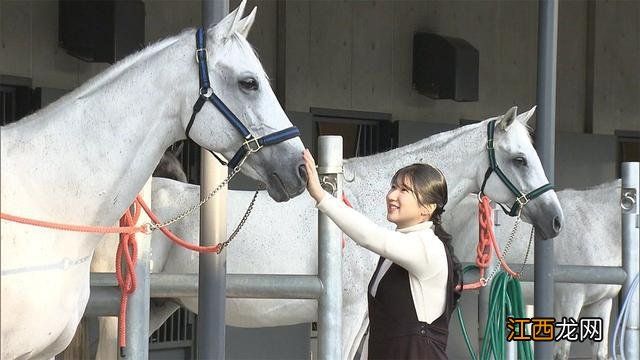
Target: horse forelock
528, 130
245, 46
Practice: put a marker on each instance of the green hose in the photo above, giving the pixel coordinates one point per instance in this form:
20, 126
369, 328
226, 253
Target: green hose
505, 299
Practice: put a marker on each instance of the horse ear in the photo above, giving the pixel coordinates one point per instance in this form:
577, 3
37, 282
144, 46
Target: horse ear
245, 24
227, 26
524, 118
508, 118
236, 19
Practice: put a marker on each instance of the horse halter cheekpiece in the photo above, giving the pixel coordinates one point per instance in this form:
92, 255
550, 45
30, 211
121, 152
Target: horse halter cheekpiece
251, 144
521, 199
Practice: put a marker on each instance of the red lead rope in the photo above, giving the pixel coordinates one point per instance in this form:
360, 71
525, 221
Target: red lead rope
486, 242
483, 249
174, 238
127, 250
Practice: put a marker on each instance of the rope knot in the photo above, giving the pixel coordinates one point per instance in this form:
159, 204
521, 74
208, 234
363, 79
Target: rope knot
127, 251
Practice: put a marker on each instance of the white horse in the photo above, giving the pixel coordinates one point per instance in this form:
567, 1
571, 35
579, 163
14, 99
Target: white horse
593, 216
283, 239
83, 159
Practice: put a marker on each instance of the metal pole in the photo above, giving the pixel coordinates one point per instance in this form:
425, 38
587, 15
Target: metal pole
138, 304
256, 286
545, 141
330, 253
213, 223
483, 312
511, 350
630, 258
105, 294
212, 267
581, 274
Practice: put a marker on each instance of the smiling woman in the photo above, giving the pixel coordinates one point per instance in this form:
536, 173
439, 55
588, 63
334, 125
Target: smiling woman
413, 291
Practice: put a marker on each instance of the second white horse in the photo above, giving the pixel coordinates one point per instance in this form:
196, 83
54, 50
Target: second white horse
282, 239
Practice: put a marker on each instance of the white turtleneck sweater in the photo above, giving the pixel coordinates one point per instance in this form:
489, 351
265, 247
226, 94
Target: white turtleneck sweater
415, 248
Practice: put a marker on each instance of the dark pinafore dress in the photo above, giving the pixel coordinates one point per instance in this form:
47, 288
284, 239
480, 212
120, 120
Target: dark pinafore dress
394, 329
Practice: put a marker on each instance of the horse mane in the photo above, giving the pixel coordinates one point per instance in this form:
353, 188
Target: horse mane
435, 140
117, 69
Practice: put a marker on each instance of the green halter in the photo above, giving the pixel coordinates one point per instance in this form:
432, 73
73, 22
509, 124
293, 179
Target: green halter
521, 199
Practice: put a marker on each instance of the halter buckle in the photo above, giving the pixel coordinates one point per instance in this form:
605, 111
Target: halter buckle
206, 54
248, 145
206, 92
522, 200
489, 144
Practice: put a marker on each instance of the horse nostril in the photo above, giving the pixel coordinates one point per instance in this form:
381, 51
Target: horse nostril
303, 172
557, 224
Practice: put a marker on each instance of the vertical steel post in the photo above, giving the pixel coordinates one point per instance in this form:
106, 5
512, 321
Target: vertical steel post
545, 141
630, 258
212, 267
483, 311
138, 303
511, 350
330, 253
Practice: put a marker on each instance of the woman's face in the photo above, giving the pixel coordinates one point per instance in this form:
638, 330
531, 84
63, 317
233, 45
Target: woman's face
403, 208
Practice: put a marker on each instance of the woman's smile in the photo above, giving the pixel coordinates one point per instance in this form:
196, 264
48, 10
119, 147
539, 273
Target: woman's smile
392, 207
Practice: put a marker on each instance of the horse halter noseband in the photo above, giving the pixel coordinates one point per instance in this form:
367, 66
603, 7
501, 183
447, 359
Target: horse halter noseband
521, 199
251, 144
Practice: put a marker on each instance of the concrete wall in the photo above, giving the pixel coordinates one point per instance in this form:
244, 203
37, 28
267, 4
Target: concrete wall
29, 38
356, 55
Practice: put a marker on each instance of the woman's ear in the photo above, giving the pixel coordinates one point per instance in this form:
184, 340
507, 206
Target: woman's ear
428, 209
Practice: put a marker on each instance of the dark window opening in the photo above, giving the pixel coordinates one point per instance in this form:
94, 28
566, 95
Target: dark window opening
364, 133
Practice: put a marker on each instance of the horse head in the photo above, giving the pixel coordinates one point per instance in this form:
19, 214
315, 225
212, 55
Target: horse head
526, 185
237, 79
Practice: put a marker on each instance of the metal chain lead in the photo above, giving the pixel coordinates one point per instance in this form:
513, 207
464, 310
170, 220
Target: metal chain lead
505, 251
526, 255
240, 224
235, 170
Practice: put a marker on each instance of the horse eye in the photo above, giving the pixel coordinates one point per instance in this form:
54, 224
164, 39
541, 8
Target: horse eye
249, 84
520, 161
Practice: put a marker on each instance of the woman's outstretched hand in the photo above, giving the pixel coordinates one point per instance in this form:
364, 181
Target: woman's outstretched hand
313, 182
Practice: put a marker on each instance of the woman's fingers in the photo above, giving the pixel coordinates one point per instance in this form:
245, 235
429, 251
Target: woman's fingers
313, 181
309, 163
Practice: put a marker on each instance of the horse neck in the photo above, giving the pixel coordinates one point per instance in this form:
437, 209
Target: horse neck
457, 153
100, 143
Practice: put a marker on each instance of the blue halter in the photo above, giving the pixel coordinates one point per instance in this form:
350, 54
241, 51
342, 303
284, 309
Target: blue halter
251, 144
521, 199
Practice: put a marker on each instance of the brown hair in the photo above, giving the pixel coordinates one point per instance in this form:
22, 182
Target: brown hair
430, 187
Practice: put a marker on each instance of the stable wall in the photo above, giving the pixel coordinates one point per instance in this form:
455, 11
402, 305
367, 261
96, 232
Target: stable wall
356, 55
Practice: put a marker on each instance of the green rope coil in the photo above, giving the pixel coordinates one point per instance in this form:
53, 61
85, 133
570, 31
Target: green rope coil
505, 300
